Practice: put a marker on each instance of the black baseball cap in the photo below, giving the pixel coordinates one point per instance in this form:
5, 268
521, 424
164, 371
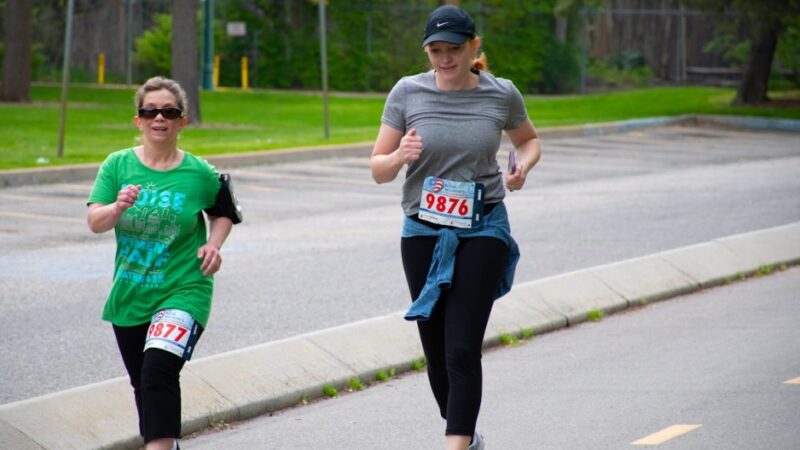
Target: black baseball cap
449, 23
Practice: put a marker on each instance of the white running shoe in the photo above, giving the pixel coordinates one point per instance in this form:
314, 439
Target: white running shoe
477, 442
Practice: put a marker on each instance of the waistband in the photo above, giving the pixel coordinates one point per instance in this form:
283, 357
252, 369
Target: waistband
487, 209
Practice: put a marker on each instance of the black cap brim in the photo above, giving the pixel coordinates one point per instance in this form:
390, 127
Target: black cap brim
446, 36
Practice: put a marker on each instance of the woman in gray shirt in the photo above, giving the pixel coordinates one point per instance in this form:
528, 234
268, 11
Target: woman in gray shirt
458, 255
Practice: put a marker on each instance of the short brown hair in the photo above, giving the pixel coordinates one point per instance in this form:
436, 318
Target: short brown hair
159, 83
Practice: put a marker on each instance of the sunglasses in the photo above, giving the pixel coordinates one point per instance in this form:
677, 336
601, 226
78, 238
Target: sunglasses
167, 113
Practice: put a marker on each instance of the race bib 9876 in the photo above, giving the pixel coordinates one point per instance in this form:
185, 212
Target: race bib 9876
453, 203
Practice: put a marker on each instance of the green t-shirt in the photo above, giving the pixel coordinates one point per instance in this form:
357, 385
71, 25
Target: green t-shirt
156, 265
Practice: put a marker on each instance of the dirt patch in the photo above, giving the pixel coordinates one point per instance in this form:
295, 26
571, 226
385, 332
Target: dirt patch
780, 103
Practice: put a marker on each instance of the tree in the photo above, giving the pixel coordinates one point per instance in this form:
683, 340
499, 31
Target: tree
765, 22
184, 53
17, 57
154, 48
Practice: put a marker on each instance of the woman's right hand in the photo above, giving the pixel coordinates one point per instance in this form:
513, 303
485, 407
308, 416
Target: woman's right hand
410, 147
392, 151
102, 218
126, 197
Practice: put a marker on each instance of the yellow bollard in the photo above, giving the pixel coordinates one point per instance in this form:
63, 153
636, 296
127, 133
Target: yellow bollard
101, 68
216, 71
245, 83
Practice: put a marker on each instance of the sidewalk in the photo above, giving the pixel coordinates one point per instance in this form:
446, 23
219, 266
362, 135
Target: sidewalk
716, 359
258, 380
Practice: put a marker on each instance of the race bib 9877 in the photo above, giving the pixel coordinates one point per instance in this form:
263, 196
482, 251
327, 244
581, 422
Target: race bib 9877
174, 331
453, 203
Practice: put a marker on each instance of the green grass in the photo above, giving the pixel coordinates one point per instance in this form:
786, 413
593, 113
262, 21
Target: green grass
517, 338
385, 375
765, 270
761, 271
508, 339
419, 364
595, 315
355, 384
330, 391
655, 102
100, 120
527, 333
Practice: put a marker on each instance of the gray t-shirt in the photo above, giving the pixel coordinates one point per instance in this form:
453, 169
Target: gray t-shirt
460, 131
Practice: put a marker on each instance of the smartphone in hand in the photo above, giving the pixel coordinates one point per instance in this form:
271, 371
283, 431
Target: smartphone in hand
512, 161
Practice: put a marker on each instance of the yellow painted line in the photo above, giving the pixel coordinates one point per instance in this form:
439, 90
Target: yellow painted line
666, 434
793, 381
41, 217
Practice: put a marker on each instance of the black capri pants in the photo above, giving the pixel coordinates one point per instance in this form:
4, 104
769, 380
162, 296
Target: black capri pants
155, 377
453, 336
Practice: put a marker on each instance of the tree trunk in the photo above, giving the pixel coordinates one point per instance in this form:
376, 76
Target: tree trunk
184, 53
756, 75
17, 58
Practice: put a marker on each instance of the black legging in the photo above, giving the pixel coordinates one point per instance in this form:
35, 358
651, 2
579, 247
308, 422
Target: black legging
453, 336
155, 377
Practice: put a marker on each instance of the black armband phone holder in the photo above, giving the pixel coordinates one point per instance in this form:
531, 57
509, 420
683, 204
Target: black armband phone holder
226, 205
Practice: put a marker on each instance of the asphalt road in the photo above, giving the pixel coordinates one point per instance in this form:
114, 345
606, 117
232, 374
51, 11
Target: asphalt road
320, 242
717, 369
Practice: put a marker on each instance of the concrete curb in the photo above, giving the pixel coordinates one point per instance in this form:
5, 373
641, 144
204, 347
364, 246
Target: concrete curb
78, 172
63, 174
248, 382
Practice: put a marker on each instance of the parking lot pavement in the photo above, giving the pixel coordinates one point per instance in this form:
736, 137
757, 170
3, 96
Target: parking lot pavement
319, 234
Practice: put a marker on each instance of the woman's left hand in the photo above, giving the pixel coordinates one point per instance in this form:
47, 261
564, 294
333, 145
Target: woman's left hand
516, 180
528, 151
212, 259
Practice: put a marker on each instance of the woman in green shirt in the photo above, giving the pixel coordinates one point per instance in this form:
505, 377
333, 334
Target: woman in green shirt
154, 196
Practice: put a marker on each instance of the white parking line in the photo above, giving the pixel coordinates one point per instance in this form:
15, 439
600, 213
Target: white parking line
298, 177
329, 167
25, 198
75, 186
258, 187
41, 217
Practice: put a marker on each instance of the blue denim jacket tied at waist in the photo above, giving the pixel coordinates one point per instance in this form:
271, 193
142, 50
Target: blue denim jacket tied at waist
440, 275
